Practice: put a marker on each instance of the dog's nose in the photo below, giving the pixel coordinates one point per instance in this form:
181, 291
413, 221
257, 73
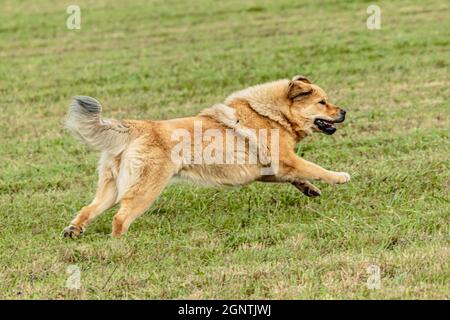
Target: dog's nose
341, 116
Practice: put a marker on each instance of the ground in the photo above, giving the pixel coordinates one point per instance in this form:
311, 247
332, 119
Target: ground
164, 59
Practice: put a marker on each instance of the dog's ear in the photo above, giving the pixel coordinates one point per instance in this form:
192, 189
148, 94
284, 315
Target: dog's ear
301, 78
299, 86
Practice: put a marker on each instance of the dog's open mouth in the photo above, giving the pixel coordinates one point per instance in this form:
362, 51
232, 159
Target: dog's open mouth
325, 126
328, 126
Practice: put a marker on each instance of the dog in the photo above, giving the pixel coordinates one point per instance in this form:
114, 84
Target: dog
137, 156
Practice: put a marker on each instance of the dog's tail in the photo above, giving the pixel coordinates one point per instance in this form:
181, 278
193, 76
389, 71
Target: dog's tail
85, 122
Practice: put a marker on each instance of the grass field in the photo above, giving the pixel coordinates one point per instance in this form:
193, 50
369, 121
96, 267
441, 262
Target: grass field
162, 59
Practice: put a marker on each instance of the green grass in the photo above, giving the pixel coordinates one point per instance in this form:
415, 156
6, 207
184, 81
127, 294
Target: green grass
163, 59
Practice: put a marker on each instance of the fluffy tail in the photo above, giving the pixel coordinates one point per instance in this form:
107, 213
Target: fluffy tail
85, 122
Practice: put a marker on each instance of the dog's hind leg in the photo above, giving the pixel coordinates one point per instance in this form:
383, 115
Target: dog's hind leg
140, 196
105, 198
307, 188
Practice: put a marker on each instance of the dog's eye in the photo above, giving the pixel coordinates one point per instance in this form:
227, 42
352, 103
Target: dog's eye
322, 102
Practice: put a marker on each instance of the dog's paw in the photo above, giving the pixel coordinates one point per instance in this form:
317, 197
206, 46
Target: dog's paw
72, 231
307, 188
341, 177
311, 191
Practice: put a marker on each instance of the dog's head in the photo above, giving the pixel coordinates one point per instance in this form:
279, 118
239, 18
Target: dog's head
310, 109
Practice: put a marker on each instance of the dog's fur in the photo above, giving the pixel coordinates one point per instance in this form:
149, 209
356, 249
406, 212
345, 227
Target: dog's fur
135, 163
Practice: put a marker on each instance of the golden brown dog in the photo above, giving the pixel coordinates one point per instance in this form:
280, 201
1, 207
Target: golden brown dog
139, 158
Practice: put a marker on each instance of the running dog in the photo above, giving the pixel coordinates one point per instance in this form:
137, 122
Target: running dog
137, 156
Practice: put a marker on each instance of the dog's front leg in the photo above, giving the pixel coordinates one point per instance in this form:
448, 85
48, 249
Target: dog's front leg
295, 169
